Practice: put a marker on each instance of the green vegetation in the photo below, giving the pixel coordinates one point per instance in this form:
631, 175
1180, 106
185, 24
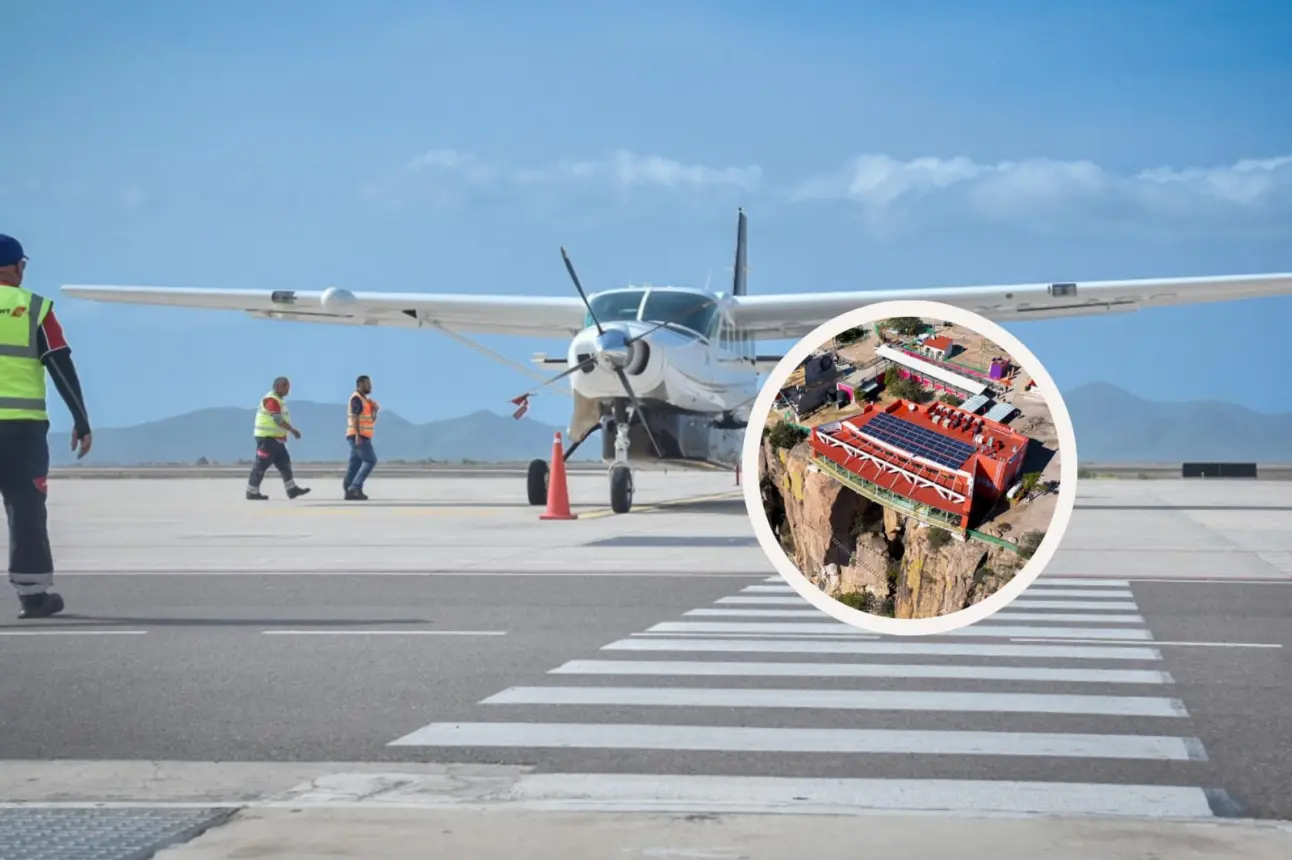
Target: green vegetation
951, 399
938, 538
1030, 542
852, 335
1030, 480
785, 435
906, 389
908, 326
863, 600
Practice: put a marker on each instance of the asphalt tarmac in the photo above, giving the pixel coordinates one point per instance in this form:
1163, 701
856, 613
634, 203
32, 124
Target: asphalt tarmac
442, 622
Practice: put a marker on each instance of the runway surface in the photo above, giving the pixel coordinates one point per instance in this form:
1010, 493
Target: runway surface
1147, 673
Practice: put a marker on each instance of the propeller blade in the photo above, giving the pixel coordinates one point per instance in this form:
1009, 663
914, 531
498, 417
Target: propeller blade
639, 413
564, 373
569, 267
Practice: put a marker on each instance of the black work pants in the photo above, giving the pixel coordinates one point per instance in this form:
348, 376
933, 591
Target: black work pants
270, 452
24, 469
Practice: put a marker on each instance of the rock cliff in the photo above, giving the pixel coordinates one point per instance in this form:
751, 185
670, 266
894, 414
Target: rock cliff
869, 556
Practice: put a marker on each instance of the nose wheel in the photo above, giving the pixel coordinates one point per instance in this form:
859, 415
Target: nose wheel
621, 488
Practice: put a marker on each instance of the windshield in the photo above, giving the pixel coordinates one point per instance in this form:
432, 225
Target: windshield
617, 306
691, 310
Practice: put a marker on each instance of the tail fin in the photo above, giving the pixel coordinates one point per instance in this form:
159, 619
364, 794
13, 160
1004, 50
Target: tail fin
738, 285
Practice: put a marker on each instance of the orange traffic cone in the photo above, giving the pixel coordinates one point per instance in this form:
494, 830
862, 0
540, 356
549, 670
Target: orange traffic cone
558, 491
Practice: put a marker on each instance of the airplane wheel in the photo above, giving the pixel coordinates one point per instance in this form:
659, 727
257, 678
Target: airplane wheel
537, 480
621, 489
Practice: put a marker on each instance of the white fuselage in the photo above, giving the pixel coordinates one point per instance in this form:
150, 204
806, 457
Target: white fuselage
710, 372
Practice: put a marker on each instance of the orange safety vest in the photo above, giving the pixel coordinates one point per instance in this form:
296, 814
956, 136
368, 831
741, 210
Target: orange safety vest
361, 423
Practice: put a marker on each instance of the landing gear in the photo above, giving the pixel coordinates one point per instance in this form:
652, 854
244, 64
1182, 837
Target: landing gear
621, 488
621, 474
539, 472
537, 482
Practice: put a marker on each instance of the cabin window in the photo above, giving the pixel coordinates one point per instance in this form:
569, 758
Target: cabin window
615, 306
692, 311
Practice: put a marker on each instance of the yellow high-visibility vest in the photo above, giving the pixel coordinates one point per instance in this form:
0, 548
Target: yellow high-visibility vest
22, 376
266, 427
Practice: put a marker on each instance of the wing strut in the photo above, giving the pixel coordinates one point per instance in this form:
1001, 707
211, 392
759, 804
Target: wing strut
502, 359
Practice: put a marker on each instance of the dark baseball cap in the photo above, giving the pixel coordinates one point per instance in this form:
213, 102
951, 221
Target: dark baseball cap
10, 251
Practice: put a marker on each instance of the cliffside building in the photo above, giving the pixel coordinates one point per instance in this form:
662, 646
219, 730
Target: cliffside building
939, 464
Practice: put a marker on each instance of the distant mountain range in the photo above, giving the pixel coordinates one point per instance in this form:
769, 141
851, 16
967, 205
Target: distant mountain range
223, 435
1113, 426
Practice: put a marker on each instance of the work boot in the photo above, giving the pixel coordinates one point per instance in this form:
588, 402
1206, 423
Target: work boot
355, 494
297, 491
256, 496
40, 605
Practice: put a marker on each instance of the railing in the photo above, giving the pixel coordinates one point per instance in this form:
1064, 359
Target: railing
924, 513
1000, 542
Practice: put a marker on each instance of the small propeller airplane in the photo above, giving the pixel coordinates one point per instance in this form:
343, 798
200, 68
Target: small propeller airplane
669, 374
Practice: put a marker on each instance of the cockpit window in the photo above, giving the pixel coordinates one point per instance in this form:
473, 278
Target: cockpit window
616, 306
689, 310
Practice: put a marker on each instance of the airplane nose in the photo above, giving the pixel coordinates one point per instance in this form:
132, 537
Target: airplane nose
612, 350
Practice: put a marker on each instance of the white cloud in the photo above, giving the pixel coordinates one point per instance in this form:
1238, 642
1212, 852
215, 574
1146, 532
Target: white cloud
1042, 193
628, 170
888, 189
447, 175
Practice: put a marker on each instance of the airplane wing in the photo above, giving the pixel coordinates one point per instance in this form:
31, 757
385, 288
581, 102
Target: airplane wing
535, 316
786, 316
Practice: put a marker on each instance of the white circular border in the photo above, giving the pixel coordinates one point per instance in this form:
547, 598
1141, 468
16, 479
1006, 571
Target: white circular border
1067, 469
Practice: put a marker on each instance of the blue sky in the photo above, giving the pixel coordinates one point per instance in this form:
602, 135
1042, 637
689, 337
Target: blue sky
454, 147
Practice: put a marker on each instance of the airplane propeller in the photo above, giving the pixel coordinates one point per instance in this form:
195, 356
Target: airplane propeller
612, 350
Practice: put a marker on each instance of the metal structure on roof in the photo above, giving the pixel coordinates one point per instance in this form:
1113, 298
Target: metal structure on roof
932, 371
973, 404
888, 429
1000, 411
884, 467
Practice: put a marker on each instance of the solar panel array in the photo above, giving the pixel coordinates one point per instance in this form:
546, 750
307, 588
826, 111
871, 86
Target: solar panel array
917, 440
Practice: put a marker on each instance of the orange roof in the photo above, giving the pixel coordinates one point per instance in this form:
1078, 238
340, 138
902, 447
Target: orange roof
941, 342
919, 479
998, 442
909, 478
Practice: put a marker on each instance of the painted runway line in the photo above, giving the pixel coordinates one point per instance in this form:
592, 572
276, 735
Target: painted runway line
888, 647
1063, 631
1005, 615
384, 632
852, 700
977, 630
798, 740
861, 670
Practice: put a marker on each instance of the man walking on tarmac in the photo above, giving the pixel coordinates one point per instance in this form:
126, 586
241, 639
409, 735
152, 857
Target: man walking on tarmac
31, 341
361, 419
273, 423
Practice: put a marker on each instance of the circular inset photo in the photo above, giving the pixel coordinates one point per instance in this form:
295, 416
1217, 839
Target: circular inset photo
910, 468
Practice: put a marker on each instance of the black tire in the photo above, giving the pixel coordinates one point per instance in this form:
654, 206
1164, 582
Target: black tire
537, 482
621, 489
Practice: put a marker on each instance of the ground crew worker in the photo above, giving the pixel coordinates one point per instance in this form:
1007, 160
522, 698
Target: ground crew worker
361, 418
31, 341
273, 423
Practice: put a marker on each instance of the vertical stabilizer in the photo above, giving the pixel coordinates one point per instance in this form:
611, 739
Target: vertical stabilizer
738, 285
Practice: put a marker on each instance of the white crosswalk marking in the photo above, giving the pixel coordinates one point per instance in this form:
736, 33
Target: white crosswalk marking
764, 675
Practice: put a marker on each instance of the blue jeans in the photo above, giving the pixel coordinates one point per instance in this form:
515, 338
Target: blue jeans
362, 459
